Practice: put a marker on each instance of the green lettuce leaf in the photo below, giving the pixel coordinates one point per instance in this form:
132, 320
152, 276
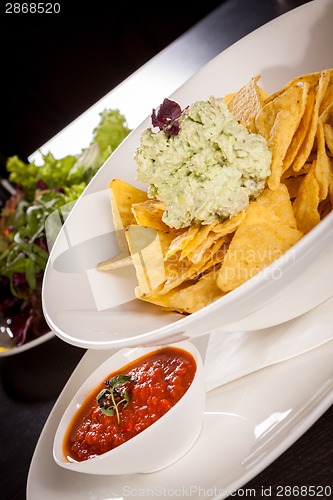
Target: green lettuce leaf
42, 189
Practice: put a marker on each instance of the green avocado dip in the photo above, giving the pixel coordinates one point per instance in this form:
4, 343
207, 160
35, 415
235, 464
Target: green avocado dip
209, 168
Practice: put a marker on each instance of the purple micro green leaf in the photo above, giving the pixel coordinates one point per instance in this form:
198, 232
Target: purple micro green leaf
166, 117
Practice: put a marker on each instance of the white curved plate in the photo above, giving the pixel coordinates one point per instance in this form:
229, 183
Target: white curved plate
247, 424
28, 345
91, 309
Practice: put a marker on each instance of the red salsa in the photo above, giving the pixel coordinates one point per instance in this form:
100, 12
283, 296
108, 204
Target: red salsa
153, 384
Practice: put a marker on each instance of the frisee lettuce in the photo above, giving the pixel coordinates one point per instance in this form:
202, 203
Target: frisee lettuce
40, 190
72, 169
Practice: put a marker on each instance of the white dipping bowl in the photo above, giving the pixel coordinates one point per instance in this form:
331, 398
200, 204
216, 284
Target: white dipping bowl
161, 444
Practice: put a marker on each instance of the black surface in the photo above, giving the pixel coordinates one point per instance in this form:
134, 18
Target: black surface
30, 384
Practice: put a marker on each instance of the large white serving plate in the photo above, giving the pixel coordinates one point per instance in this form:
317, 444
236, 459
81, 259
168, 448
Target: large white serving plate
247, 424
98, 310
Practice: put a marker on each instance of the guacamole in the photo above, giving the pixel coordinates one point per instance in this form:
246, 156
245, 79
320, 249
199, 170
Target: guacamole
210, 169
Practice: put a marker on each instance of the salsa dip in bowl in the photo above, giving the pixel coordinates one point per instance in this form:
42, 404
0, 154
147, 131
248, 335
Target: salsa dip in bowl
140, 411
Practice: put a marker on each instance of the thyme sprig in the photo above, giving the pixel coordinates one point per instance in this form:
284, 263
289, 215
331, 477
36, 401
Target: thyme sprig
115, 395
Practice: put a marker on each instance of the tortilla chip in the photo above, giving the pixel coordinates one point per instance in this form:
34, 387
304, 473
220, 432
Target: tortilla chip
198, 239
247, 102
195, 235
328, 132
122, 196
326, 105
198, 250
227, 98
181, 271
277, 122
279, 202
149, 213
120, 260
182, 240
259, 240
147, 255
323, 166
307, 201
293, 184
189, 298
229, 226
308, 206
301, 131
310, 78
203, 251
307, 145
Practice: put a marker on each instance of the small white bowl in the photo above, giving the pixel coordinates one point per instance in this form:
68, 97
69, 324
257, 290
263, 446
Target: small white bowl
163, 443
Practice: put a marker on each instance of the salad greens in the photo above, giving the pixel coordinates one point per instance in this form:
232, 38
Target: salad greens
39, 191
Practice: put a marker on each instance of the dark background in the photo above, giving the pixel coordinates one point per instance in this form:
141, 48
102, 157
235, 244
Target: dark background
55, 66
52, 69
